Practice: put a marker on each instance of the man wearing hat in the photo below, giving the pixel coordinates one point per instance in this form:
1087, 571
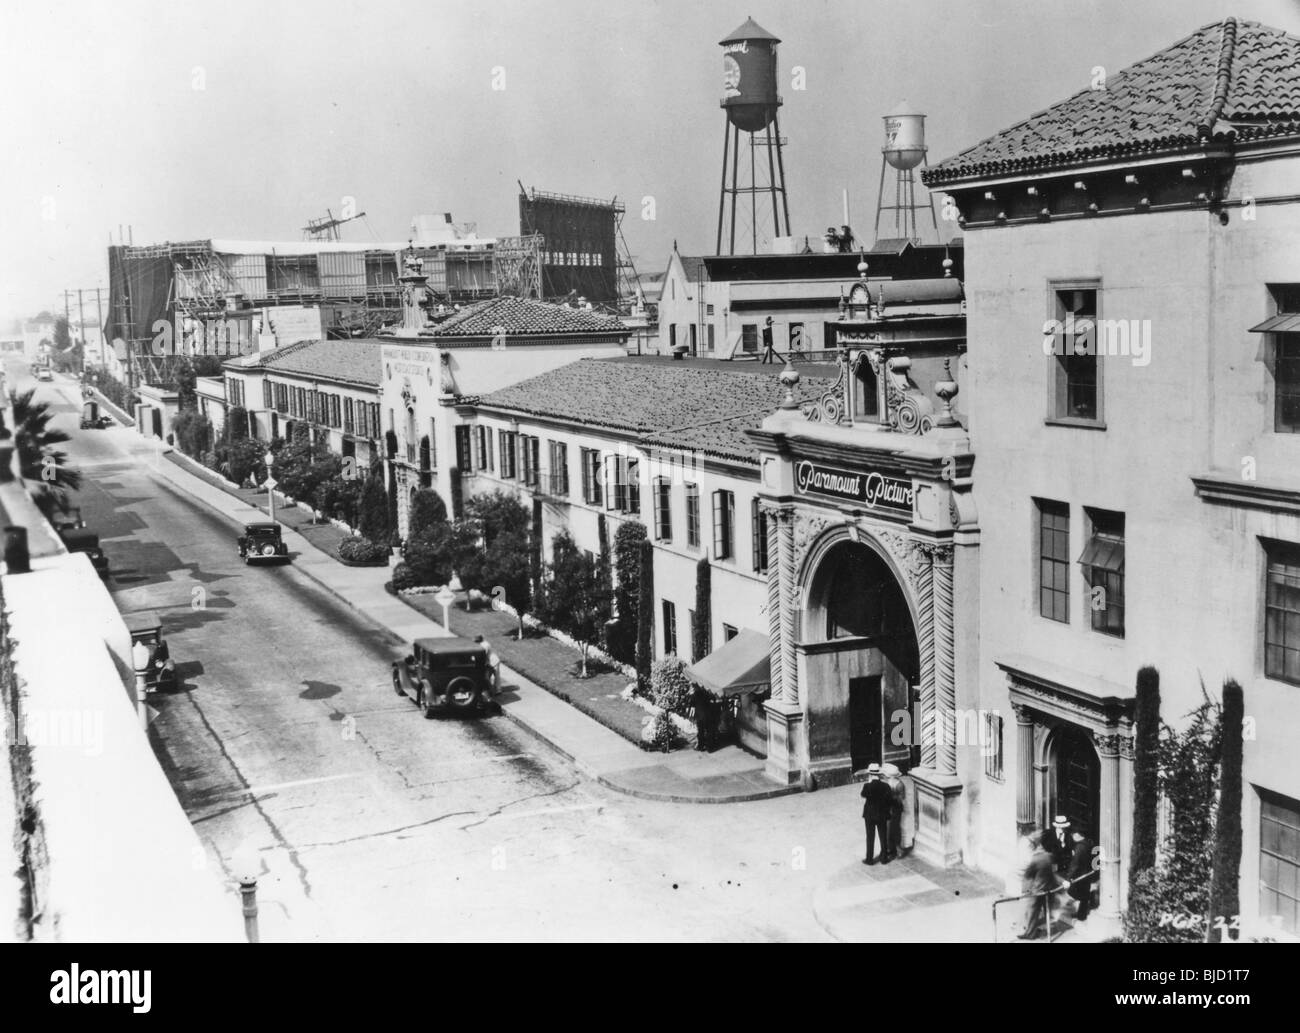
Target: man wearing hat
876, 813
1058, 842
1039, 878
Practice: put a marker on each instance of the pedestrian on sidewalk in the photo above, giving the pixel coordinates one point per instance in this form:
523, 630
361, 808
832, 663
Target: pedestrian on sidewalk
875, 812
702, 705
1038, 879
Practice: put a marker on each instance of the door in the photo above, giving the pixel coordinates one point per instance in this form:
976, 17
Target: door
1078, 782
866, 721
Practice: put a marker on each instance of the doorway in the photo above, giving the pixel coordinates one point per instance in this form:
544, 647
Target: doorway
1078, 781
866, 722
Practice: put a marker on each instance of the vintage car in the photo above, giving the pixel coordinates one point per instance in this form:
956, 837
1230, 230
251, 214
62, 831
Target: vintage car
44, 373
260, 543
69, 521
160, 674
80, 540
92, 418
444, 675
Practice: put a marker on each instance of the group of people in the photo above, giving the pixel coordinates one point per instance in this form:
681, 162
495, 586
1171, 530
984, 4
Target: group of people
889, 812
1060, 858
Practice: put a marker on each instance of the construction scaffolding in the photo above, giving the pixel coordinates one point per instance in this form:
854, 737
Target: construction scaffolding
518, 264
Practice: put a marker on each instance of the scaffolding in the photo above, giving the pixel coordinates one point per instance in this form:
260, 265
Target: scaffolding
518, 265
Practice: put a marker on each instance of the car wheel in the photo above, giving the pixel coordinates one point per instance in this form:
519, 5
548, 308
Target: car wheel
463, 693
268, 550
397, 684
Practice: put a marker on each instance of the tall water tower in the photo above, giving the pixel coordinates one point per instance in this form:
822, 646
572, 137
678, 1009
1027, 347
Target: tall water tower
904, 150
750, 100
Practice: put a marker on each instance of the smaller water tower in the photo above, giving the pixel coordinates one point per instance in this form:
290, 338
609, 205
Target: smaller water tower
904, 150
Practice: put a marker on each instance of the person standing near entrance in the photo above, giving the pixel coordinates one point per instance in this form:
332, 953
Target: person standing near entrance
906, 793
1058, 842
1081, 875
876, 813
1038, 879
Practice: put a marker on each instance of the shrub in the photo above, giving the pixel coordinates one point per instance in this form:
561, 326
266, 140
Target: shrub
669, 686
645, 616
1146, 771
361, 550
430, 557
658, 733
621, 640
403, 578
245, 457
372, 513
702, 625
236, 423
427, 512
1226, 870
193, 432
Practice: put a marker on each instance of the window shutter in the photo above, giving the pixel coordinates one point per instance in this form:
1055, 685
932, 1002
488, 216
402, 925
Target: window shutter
611, 483
719, 531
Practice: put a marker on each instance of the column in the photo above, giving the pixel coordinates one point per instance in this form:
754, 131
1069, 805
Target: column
774, 607
945, 684
792, 693
786, 751
925, 646
1108, 746
1025, 820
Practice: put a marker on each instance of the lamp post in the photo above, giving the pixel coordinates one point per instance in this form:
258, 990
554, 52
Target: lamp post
268, 459
140, 661
246, 866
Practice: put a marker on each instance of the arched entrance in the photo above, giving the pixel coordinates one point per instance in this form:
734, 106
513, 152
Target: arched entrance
1077, 772
860, 661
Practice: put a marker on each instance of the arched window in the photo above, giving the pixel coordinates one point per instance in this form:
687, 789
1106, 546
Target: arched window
866, 391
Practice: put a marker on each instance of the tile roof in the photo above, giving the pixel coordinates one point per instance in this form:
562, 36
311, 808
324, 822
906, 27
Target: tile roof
524, 316
675, 404
354, 361
1230, 80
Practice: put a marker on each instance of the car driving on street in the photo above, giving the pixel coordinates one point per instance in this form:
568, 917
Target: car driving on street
444, 675
261, 543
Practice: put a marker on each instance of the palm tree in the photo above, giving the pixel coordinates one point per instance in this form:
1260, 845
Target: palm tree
42, 465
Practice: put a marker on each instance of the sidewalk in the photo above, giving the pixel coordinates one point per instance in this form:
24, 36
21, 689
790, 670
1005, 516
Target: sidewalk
728, 775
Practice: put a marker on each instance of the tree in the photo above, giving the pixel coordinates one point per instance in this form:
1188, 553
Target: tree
372, 514
62, 334
1224, 905
535, 565
645, 616
41, 463
236, 423
503, 559
1146, 772
627, 591
193, 432
576, 598
427, 512
703, 622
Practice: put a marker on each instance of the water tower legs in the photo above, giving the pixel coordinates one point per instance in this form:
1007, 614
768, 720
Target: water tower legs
732, 190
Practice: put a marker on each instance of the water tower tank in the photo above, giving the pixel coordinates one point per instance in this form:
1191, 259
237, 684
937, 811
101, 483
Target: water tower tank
904, 137
749, 77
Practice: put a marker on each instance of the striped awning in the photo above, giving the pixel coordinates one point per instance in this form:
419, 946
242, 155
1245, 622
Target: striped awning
1283, 323
739, 666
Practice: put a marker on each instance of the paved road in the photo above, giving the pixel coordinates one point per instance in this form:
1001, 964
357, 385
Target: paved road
373, 823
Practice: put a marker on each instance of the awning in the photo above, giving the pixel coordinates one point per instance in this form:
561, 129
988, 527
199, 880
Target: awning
1104, 553
1285, 323
739, 666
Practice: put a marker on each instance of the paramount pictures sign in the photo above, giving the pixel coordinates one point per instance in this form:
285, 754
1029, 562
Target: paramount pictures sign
871, 489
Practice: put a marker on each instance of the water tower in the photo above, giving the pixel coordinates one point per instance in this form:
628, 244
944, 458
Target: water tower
904, 150
750, 101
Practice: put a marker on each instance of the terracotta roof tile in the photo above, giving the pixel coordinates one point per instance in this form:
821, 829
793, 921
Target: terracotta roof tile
523, 316
1228, 80
353, 362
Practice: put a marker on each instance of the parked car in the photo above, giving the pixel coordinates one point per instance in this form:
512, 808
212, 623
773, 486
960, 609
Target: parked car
69, 521
44, 373
261, 542
160, 674
447, 674
81, 540
92, 419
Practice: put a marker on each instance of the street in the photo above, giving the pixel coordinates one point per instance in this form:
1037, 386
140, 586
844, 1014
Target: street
373, 823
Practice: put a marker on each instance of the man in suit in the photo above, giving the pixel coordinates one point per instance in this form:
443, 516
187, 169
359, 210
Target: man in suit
1082, 875
1038, 878
1058, 843
876, 813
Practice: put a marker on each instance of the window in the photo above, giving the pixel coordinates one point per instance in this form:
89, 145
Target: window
709, 331
462, 448
758, 531
507, 439
866, 391
749, 337
708, 310
672, 336
1286, 406
1279, 860
488, 452
634, 486
559, 462
347, 415
1077, 393
590, 476
480, 447
531, 447
1282, 613
670, 628
1054, 560
622, 484
728, 632
694, 341
991, 745
663, 509
1103, 571
693, 515
267, 400
724, 520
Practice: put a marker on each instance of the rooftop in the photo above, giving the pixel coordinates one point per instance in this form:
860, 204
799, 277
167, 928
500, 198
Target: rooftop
898, 259
699, 404
523, 316
1228, 81
355, 361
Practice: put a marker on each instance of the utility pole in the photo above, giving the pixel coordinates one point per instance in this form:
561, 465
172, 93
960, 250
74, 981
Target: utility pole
81, 316
103, 344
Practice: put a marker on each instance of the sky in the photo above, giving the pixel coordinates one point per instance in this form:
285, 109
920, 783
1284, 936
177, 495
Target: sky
244, 119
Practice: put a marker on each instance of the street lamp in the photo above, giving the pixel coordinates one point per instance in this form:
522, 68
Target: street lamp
246, 866
268, 459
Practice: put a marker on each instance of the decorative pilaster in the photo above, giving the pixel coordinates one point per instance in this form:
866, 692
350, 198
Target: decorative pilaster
791, 693
787, 754
925, 644
1025, 822
1108, 749
774, 575
945, 684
